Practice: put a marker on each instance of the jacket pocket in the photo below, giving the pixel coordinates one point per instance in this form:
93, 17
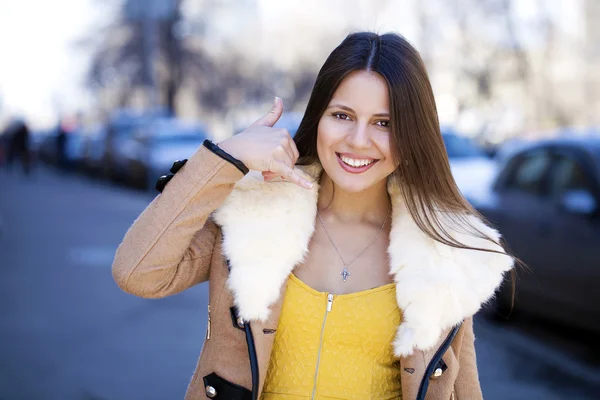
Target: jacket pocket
218, 388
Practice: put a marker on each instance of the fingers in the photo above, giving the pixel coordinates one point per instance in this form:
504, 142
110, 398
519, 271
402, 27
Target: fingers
294, 149
288, 156
272, 116
285, 152
304, 179
292, 175
268, 175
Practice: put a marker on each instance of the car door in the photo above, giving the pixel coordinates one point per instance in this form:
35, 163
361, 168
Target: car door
522, 212
572, 269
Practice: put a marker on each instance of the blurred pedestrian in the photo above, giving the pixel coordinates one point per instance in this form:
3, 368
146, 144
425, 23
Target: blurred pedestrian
347, 264
18, 148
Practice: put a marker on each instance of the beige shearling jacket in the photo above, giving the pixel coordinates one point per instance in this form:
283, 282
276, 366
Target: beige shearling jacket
244, 236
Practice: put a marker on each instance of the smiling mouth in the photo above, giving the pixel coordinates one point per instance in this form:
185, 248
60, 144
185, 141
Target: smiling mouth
355, 165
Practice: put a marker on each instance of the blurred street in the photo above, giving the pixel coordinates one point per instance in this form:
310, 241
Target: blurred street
67, 332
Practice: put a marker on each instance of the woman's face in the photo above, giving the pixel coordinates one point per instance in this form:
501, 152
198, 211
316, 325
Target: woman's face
353, 136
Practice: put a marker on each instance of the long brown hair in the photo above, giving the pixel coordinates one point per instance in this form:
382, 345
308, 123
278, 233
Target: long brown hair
423, 172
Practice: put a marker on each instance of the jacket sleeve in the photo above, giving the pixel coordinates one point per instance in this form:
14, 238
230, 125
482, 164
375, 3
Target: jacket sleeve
467, 383
169, 246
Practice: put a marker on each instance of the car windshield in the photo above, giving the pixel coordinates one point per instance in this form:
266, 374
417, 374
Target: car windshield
461, 147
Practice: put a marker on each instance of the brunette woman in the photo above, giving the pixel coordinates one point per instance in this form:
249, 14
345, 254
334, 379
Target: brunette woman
342, 263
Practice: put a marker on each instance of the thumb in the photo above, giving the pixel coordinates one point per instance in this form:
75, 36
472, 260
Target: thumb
270, 118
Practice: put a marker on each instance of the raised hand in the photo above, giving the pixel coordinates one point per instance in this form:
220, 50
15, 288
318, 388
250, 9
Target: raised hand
269, 150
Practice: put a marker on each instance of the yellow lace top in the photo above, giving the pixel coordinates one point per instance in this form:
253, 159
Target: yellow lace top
335, 346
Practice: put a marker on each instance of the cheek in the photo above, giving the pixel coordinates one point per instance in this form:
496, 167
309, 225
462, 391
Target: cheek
330, 131
327, 136
382, 141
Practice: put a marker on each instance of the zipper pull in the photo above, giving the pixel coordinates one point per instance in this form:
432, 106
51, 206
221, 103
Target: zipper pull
329, 302
208, 325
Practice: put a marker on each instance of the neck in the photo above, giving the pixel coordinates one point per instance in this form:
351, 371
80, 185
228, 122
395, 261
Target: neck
368, 206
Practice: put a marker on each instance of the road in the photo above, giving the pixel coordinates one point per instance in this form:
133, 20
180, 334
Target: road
67, 332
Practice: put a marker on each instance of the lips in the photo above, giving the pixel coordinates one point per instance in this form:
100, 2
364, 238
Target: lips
352, 169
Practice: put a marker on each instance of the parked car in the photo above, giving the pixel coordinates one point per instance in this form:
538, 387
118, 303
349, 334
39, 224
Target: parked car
121, 126
546, 203
472, 169
95, 148
150, 153
74, 150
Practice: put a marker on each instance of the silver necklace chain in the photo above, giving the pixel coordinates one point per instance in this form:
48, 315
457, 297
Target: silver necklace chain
345, 273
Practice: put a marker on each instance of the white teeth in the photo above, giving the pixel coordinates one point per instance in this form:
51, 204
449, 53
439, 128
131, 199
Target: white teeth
355, 163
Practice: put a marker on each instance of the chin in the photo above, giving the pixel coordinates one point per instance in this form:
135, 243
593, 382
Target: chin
351, 188
351, 184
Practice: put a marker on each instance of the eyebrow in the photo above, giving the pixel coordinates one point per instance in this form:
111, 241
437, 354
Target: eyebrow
346, 108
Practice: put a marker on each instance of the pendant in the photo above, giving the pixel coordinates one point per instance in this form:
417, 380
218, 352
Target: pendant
345, 274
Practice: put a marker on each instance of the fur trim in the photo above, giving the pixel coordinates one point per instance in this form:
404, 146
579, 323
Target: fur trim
437, 286
266, 229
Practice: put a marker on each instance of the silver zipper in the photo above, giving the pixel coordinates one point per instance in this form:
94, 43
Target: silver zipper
327, 310
208, 326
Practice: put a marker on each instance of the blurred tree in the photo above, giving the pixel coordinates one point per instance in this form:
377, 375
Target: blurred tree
119, 61
501, 52
486, 58
120, 58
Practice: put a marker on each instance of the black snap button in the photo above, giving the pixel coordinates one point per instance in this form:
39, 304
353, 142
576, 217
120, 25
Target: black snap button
162, 182
177, 165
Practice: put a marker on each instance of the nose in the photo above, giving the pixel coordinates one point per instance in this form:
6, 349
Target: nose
359, 136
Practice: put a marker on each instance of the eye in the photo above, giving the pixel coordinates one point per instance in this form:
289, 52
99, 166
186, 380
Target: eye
384, 123
343, 116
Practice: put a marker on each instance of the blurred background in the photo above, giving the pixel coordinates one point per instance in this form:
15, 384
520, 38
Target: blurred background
99, 97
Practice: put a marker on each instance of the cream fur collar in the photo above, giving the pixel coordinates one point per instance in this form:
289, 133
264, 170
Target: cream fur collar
266, 230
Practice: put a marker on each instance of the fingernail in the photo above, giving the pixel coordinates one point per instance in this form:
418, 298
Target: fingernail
307, 184
275, 100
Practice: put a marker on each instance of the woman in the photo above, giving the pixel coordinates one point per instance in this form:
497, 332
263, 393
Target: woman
351, 268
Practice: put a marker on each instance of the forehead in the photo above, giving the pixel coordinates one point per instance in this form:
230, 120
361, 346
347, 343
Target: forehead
363, 91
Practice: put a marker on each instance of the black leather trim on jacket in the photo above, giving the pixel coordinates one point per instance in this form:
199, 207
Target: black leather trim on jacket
177, 164
433, 364
253, 360
162, 182
225, 156
225, 389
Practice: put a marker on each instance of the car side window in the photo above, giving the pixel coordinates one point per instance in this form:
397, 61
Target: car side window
527, 172
567, 174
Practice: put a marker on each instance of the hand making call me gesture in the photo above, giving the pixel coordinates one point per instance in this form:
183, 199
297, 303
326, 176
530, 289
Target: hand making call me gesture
269, 150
